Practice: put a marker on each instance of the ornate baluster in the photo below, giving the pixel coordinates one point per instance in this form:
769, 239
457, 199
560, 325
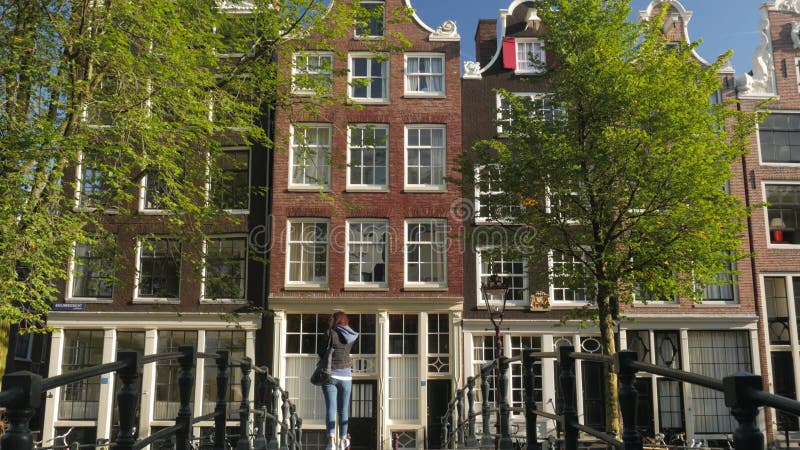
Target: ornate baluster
284, 420
486, 437
454, 426
299, 433
245, 366
505, 409
18, 436
744, 409
261, 424
127, 397
276, 400
528, 377
444, 431
460, 415
292, 425
472, 439
221, 408
628, 398
569, 412
185, 383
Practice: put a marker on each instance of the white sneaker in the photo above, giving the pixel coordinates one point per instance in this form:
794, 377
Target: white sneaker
330, 446
344, 444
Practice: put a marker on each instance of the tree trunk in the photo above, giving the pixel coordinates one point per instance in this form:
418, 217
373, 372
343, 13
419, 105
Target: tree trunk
5, 325
607, 329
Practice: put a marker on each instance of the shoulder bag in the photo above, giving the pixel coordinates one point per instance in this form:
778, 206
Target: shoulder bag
322, 373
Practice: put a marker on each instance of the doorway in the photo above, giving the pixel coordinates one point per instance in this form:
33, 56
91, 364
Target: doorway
363, 415
438, 399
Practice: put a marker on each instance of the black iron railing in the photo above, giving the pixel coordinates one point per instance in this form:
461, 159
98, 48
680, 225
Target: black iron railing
743, 394
22, 396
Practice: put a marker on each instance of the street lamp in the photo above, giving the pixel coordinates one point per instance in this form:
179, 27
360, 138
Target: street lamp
495, 288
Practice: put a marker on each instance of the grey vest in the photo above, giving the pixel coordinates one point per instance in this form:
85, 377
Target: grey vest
341, 352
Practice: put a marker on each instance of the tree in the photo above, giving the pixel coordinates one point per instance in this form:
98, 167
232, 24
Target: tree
132, 90
622, 168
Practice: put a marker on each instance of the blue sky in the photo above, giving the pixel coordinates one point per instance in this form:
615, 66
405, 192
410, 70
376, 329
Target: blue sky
721, 24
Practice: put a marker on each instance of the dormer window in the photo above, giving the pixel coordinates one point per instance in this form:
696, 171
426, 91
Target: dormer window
524, 55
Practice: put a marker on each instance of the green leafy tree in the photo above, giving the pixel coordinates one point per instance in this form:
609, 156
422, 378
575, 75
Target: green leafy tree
623, 168
135, 91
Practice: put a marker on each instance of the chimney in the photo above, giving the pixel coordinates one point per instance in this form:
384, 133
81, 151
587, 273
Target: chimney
485, 41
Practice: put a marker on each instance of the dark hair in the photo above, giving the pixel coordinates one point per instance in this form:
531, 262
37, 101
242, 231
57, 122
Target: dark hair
339, 318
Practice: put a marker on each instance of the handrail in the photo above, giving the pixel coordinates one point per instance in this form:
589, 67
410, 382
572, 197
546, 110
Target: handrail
678, 375
81, 374
605, 437
776, 401
594, 357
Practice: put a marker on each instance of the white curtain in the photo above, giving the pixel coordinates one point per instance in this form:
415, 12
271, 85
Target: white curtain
305, 395
404, 388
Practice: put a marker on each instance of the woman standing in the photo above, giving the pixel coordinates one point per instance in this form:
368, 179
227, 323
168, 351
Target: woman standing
337, 390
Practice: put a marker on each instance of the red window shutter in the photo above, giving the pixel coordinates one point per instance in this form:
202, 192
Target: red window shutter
509, 53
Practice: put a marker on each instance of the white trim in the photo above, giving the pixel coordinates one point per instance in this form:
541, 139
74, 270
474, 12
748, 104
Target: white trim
425, 187
381, 58
422, 94
68, 297
235, 148
203, 299
320, 73
169, 300
542, 56
559, 304
478, 273
368, 37
684, 14
367, 187
758, 135
764, 183
306, 285
142, 198
356, 286
421, 285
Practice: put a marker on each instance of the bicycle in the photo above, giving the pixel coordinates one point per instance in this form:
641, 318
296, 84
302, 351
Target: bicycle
37, 445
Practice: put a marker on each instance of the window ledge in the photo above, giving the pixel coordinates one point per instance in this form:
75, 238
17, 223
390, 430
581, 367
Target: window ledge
308, 188
567, 305
156, 301
528, 72
367, 101
656, 305
305, 287
154, 212
440, 95
222, 301
367, 188
366, 288
716, 304
429, 287
368, 38
88, 300
237, 212
782, 246
425, 189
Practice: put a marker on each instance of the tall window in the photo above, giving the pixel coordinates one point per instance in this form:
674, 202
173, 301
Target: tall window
159, 268
777, 300
308, 252
226, 268
483, 353
367, 159
538, 105
779, 136
235, 343
102, 110
154, 192
80, 400
371, 20
367, 248
426, 252
567, 284
167, 396
311, 154
725, 291
716, 354
783, 213
491, 203
438, 344
93, 270
369, 77
530, 55
127, 341
512, 270
312, 72
424, 74
518, 343
425, 157
403, 366
231, 189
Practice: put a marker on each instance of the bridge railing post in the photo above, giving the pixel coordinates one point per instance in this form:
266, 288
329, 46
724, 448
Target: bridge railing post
628, 399
472, 439
569, 412
273, 443
284, 420
292, 427
246, 365
221, 408
185, 384
528, 383
127, 396
20, 411
737, 390
505, 442
486, 436
460, 414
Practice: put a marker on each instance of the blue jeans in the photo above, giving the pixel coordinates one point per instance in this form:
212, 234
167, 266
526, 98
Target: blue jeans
337, 402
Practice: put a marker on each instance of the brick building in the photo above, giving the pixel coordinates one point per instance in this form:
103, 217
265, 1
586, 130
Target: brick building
362, 222
673, 332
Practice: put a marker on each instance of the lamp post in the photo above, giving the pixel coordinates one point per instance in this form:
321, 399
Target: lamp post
496, 288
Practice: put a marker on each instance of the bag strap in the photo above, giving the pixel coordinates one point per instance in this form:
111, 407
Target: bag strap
329, 350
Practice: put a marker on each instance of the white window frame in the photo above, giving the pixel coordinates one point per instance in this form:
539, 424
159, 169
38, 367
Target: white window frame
758, 134
243, 299
209, 183
311, 71
534, 97
137, 280
366, 285
523, 65
372, 58
143, 209
421, 187
311, 186
481, 219
552, 287
29, 341
71, 297
425, 285
363, 186
523, 303
767, 229
305, 285
408, 75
